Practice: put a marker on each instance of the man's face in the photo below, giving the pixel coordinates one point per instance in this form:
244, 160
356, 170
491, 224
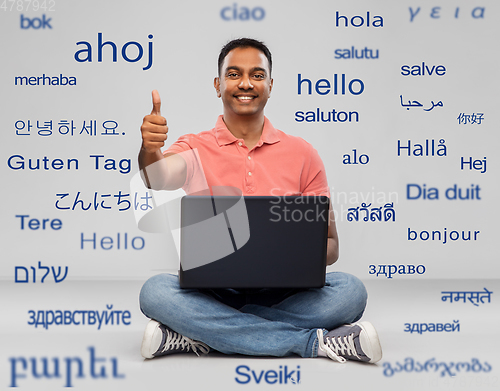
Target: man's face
245, 83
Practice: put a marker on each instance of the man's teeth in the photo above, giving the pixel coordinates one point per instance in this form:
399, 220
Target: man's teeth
245, 97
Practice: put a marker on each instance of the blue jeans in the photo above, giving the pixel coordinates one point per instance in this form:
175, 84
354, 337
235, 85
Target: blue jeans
259, 323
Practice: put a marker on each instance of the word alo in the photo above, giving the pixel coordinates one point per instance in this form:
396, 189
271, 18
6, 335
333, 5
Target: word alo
67, 367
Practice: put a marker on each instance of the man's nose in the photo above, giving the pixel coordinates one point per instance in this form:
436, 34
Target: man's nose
245, 83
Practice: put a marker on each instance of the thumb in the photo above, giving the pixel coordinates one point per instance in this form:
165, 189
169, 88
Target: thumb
156, 103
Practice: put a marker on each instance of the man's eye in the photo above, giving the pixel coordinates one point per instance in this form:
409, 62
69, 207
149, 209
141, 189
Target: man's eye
259, 76
232, 75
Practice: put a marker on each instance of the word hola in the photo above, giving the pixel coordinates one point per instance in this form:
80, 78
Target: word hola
324, 87
281, 376
359, 21
363, 158
242, 13
35, 23
420, 70
85, 55
96, 368
414, 192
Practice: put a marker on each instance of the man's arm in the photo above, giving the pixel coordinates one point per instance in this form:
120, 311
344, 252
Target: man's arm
332, 253
159, 172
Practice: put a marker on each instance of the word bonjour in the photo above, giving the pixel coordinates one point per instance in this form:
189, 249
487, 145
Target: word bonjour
40, 267
19, 162
476, 13
417, 70
415, 192
436, 235
46, 318
40, 80
358, 20
432, 327
85, 55
396, 269
410, 365
474, 297
97, 368
245, 375
242, 13
355, 53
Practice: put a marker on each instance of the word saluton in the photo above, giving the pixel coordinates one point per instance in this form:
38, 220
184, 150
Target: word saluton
85, 55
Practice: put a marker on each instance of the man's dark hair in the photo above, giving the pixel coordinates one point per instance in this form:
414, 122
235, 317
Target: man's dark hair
245, 43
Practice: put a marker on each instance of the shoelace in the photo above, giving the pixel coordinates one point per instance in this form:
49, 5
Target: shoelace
335, 348
178, 341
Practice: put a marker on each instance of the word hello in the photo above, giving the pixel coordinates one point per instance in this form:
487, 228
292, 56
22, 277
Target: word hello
355, 53
324, 87
242, 13
40, 368
85, 55
414, 192
35, 23
420, 70
359, 21
118, 243
281, 376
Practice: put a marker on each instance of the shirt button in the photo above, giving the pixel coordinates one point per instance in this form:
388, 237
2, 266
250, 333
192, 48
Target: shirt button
249, 173
249, 158
240, 143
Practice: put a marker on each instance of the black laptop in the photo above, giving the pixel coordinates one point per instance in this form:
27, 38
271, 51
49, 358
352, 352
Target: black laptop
253, 241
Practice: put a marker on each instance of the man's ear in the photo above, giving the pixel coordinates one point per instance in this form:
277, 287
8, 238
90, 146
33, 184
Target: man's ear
270, 87
217, 86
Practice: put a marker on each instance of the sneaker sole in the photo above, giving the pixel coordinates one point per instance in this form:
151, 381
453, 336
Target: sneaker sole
375, 350
148, 338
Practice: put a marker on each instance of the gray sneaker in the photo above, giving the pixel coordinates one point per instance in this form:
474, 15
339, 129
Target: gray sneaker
357, 341
159, 340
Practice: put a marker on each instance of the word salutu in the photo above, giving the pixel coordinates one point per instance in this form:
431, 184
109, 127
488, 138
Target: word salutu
450, 369
46, 318
66, 128
19, 162
354, 53
432, 327
418, 104
96, 366
375, 214
396, 269
40, 267
473, 297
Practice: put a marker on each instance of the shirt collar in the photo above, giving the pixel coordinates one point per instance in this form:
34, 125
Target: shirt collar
225, 137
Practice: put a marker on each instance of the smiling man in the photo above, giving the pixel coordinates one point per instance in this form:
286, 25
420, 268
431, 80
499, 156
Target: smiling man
245, 151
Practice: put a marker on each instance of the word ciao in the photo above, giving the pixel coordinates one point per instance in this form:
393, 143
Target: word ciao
395, 269
40, 267
19, 162
432, 327
358, 20
110, 243
40, 80
242, 13
96, 368
476, 13
85, 55
410, 365
47, 318
415, 192
417, 70
436, 235
246, 375
474, 297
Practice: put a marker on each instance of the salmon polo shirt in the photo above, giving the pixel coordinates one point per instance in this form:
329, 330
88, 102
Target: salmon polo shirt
279, 164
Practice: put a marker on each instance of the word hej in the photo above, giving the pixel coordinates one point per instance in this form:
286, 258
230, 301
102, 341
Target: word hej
85, 55
19, 162
432, 327
242, 13
40, 267
415, 192
410, 365
46, 318
247, 375
435, 13
474, 297
97, 368
358, 21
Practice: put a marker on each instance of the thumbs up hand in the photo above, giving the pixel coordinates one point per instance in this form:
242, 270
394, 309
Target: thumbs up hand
154, 127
